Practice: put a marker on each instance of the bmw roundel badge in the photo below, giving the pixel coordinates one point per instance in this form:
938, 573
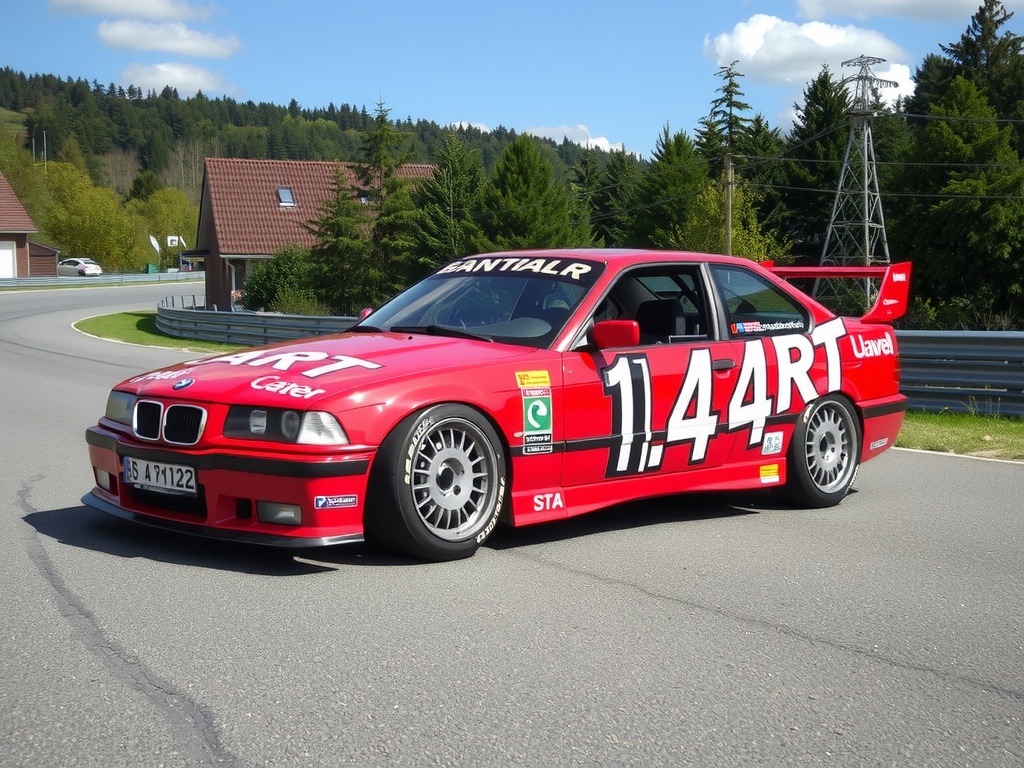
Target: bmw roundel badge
182, 384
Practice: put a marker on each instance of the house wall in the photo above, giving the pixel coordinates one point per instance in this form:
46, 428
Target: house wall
42, 266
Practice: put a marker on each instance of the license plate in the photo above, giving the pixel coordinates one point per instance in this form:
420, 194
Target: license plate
155, 475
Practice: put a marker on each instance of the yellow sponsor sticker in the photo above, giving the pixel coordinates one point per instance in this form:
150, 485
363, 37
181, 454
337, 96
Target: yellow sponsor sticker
770, 474
533, 379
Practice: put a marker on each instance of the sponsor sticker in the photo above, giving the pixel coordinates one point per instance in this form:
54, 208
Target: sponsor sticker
162, 375
772, 443
769, 474
544, 502
757, 326
555, 267
875, 445
533, 379
863, 348
535, 390
281, 387
334, 502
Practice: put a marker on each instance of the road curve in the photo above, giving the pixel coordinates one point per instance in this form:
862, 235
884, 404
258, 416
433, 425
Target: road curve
705, 631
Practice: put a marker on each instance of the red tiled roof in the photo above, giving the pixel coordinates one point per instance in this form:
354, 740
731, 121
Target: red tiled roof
13, 216
247, 215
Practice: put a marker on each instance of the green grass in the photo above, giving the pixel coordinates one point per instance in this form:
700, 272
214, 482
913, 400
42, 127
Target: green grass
12, 122
140, 328
962, 433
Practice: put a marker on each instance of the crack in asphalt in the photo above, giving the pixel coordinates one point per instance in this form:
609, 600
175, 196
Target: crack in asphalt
189, 722
965, 680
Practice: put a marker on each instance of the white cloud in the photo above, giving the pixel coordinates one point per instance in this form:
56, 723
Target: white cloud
171, 37
469, 124
139, 9
186, 78
900, 74
770, 50
926, 10
578, 134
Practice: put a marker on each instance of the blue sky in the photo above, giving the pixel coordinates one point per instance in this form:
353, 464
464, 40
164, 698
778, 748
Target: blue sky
612, 72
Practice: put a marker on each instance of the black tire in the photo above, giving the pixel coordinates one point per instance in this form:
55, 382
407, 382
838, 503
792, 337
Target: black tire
824, 455
438, 484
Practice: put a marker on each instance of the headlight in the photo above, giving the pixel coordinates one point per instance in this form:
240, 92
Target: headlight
283, 425
119, 407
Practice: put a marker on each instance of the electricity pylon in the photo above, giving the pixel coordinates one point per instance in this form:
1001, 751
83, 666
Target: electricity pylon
856, 231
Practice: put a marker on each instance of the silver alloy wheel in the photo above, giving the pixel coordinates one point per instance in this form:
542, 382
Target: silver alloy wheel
828, 445
454, 479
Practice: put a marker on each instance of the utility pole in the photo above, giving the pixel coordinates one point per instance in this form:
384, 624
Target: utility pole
856, 231
728, 203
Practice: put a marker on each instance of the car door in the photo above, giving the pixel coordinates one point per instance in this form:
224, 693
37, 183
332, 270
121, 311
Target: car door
785, 360
657, 408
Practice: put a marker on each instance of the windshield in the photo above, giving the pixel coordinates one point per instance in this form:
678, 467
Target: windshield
511, 300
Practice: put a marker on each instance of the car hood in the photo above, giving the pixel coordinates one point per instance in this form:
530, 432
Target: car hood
300, 373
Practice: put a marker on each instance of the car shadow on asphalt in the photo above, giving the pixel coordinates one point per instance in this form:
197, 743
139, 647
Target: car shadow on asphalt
93, 530
90, 529
636, 514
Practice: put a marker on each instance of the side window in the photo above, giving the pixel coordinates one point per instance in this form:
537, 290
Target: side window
754, 306
668, 302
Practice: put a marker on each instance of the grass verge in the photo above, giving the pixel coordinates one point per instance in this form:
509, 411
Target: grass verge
140, 328
962, 433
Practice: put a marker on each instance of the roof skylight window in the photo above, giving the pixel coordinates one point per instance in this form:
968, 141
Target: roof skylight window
285, 197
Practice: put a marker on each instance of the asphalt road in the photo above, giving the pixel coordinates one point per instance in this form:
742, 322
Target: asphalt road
702, 631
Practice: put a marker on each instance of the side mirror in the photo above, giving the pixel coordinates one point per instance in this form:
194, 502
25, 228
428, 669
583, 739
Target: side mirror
616, 333
365, 312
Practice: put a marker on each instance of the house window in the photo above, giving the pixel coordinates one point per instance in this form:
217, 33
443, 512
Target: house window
285, 197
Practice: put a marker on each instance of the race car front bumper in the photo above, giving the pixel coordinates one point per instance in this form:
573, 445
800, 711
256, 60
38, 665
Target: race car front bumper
272, 500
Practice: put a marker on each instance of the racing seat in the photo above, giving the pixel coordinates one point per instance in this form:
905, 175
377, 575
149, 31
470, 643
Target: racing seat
660, 319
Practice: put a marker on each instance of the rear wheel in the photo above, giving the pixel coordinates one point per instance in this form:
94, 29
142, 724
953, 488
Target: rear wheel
438, 484
824, 455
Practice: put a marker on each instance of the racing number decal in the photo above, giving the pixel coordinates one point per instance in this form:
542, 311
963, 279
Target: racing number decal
628, 382
693, 418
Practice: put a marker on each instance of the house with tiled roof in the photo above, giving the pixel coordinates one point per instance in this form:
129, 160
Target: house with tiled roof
252, 208
15, 227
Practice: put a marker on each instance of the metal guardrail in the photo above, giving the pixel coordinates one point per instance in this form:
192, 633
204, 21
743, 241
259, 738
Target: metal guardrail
106, 279
249, 328
961, 371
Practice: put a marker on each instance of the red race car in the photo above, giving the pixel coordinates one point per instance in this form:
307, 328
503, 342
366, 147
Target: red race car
520, 387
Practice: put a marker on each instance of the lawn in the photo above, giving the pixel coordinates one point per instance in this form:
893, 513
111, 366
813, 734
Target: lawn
140, 328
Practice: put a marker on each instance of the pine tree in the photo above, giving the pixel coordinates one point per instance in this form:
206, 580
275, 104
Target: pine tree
447, 204
815, 148
617, 200
524, 207
343, 252
965, 226
669, 191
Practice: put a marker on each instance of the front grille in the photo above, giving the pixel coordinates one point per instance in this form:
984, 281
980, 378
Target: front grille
187, 505
183, 424
179, 424
147, 419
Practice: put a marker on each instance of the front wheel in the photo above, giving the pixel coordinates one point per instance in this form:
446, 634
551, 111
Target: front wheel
438, 484
824, 455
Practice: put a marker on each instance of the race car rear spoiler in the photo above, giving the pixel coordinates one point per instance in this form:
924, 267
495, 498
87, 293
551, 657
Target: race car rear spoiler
893, 293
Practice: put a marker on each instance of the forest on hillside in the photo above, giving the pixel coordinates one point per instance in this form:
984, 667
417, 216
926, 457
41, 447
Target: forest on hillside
123, 164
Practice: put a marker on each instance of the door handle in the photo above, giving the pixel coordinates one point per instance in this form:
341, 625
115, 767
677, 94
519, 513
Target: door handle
723, 365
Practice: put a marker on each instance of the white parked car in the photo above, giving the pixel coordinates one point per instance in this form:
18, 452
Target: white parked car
79, 268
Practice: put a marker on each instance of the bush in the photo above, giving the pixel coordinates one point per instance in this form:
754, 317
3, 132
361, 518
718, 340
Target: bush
290, 274
295, 301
